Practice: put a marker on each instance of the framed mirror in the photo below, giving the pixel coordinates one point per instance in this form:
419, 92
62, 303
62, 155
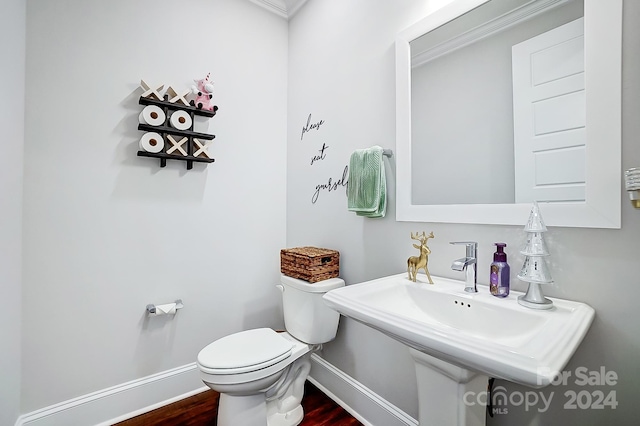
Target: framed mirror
456, 165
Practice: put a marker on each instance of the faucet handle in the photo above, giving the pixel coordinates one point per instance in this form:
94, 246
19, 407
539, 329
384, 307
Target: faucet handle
472, 247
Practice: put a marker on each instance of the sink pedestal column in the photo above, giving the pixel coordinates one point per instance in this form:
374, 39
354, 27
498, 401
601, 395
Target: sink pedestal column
447, 394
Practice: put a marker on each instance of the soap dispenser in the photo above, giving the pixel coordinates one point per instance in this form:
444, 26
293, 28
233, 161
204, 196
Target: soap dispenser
499, 277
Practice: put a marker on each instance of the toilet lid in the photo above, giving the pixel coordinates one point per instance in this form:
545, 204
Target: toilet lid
245, 351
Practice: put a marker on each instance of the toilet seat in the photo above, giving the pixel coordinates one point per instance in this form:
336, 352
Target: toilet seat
244, 352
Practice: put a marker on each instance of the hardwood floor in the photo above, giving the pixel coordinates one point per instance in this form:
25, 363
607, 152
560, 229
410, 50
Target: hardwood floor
202, 409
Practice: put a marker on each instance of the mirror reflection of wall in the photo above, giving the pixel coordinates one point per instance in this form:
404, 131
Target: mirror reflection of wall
462, 111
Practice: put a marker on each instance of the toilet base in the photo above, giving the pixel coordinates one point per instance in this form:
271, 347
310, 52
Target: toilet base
243, 410
251, 410
292, 418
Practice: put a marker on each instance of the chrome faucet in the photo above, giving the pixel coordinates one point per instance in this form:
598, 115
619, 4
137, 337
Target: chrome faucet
469, 264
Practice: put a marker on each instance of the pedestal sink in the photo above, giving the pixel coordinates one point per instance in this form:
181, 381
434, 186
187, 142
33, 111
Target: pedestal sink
459, 339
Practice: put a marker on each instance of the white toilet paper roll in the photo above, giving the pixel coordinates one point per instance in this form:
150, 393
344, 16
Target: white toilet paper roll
152, 115
180, 120
168, 309
151, 142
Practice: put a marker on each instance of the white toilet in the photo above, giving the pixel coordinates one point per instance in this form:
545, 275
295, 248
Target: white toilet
259, 373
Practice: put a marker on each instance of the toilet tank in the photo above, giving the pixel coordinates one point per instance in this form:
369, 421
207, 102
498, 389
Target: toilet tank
306, 316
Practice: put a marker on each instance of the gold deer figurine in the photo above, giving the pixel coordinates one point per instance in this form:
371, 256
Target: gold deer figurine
420, 262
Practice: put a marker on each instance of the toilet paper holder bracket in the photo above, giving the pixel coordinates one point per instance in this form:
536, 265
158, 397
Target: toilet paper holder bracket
151, 308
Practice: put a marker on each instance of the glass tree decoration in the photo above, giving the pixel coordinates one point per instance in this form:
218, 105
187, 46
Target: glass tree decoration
535, 270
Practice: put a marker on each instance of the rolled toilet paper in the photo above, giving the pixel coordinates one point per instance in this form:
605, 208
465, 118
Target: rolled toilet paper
152, 115
168, 309
180, 120
151, 142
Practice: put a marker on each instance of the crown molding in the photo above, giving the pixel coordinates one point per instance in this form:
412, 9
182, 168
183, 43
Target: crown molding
283, 8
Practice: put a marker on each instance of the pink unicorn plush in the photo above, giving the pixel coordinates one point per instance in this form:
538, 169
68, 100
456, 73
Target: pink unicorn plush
203, 89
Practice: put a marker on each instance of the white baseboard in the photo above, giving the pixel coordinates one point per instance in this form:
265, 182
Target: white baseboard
121, 402
361, 402
107, 406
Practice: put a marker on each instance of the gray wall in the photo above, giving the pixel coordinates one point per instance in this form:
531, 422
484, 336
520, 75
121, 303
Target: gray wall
107, 232
341, 70
12, 46
100, 240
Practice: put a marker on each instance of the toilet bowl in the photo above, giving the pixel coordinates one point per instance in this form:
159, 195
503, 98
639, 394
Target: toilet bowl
260, 373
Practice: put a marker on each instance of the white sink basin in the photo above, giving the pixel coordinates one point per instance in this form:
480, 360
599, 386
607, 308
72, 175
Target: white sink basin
494, 336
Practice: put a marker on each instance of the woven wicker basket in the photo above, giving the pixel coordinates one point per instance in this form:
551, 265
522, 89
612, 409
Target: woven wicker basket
310, 263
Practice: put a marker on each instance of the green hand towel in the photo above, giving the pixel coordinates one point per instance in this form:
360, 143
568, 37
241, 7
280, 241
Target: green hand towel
367, 190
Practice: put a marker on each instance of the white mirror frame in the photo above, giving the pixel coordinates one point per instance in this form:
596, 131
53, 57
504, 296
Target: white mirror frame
603, 75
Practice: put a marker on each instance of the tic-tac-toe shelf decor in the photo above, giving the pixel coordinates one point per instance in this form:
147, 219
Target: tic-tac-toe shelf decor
175, 97
151, 92
168, 119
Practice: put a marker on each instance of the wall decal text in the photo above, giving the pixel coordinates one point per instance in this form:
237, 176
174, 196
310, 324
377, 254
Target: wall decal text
322, 155
331, 185
310, 126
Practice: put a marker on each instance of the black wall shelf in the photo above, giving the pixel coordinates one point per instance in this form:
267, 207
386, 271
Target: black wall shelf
177, 106
166, 130
172, 131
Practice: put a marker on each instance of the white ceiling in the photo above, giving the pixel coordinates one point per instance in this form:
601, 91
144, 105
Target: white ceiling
284, 8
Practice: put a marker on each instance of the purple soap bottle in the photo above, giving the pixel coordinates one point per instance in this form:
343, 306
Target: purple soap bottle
499, 275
